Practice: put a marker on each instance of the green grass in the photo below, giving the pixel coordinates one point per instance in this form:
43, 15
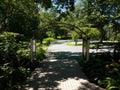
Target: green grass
45, 41
92, 45
71, 44
45, 47
45, 44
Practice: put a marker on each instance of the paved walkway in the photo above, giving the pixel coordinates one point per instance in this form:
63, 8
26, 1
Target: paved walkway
60, 71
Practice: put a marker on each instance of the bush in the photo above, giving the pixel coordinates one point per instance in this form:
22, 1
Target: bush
12, 72
8, 46
15, 63
9, 61
47, 41
23, 56
40, 54
104, 71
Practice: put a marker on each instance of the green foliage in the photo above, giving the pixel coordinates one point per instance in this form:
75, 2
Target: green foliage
112, 84
15, 63
46, 4
103, 71
118, 37
19, 16
75, 36
93, 33
9, 61
91, 18
97, 13
40, 54
47, 41
8, 46
23, 56
64, 4
71, 44
50, 34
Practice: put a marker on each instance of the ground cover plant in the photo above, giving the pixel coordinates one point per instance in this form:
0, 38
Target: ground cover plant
103, 69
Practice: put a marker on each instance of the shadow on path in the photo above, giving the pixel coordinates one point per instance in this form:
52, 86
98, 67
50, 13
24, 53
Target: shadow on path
60, 71
61, 66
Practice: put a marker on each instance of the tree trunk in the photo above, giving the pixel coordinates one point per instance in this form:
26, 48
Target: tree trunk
85, 50
41, 41
75, 42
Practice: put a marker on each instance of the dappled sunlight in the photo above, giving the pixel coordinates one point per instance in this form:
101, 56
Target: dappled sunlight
62, 47
60, 71
56, 72
101, 50
71, 84
52, 60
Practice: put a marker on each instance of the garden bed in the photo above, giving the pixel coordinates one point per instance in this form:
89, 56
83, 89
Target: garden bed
103, 70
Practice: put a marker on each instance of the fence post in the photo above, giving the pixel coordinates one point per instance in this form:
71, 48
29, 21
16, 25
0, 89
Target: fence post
33, 49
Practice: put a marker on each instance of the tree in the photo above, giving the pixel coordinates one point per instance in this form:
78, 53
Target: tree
101, 13
75, 36
65, 4
21, 16
79, 22
18, 16
50, 34
45, 24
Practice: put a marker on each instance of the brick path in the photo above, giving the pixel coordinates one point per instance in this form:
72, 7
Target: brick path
60, 71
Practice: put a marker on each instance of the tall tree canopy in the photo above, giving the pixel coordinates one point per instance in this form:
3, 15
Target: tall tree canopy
103, 12
18, 16
21, 16
65, 4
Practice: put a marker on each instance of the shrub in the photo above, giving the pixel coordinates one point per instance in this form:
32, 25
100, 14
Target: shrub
103, 71
15, 63
40, 54
23, 56
12, 72
47, 41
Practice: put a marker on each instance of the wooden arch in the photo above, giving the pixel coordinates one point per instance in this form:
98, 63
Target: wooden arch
85, 46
